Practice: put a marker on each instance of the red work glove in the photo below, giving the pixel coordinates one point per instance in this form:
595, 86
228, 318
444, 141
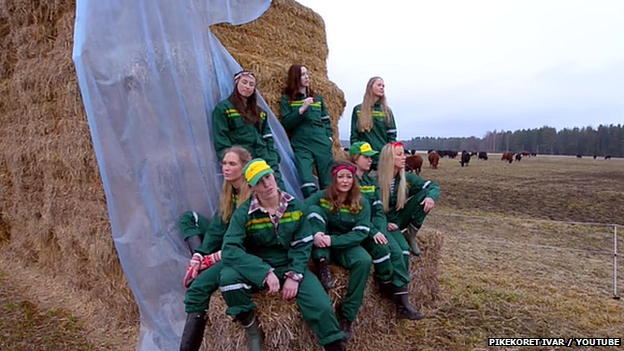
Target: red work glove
193, 269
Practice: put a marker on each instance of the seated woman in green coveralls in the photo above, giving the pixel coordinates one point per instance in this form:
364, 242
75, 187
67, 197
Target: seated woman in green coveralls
372, 121
406, 198
268, 244
204, 238
388, 258
340, 219
238, 120
305, 118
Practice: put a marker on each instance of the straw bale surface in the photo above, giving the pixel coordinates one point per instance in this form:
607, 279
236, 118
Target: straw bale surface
375, 328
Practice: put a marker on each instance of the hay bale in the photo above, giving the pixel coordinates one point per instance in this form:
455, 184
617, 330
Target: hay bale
286, 330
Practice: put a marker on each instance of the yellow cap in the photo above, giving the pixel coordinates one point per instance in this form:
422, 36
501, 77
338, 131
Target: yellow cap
256, 169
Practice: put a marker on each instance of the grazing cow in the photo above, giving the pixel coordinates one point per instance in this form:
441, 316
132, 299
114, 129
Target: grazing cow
608, 157
474, 153
518, 156
413, 163
579, 156
483, 155
434, 159
507, 156
430, 151
453, 154
525, 154
533, 154
465, 158
595, 156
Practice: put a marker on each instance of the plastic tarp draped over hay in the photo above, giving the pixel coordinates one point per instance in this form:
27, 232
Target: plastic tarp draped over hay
150, 73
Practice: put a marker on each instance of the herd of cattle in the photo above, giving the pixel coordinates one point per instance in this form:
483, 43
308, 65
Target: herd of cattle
414, 162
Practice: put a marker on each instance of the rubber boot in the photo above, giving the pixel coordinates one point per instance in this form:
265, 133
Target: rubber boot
404, 309
410, 236
386, 290
335, 346
345, 326
193, 333
253, 332
324, 274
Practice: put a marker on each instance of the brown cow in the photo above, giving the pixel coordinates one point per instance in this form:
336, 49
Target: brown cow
507, 156
413, 163
525, 154
434, 159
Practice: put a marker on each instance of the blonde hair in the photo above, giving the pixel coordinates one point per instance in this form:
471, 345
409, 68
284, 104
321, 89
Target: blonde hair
365, 121
386, 176
225, 201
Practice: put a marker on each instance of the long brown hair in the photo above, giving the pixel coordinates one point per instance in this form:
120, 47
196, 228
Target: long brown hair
353, 199
293, 83
365, 120
247, 107
225, 201
386, 177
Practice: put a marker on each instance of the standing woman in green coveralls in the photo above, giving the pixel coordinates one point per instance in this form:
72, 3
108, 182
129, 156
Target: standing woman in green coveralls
340, 221
407, 199
388, 257
204, 238
305, 118
238, 120
267, 245
372, 121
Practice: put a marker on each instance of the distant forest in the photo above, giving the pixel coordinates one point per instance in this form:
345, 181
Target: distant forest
587, 141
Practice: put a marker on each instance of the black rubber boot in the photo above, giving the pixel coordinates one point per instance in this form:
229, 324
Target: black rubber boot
335, 346
324, 274
386, 290
193, 333
193, 243
345, 326
253, 332
404, 309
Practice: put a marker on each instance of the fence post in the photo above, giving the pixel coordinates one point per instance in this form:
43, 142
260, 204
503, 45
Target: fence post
615, 263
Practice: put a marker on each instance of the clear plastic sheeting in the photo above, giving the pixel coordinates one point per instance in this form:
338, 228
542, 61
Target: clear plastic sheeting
150, 73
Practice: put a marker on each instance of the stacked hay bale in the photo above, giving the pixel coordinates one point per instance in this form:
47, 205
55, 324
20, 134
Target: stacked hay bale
54, 230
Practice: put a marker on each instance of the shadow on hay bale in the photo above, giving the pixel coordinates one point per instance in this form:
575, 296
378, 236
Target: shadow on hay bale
285, 329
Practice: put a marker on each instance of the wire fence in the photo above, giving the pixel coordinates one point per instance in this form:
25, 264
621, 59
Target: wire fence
613, 226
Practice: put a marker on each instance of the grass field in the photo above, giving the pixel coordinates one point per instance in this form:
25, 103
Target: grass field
515, 263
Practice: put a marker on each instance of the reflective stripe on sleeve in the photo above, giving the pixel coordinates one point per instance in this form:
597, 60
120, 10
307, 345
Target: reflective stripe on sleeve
304, 240
426, 184
196, 218
361, 227
317, 216
267, 136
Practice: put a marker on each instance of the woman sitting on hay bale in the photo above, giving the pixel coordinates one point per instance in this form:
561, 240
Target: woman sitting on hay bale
341, 220
305, 118
204, 239
406, 198
390, 269
268, 244
238, 120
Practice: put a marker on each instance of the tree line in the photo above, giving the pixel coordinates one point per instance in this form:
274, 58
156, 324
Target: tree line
586, 141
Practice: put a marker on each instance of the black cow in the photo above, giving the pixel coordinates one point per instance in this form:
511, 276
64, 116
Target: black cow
579, 156
483, 155
465, 158
518, 157
533, 154
608, 157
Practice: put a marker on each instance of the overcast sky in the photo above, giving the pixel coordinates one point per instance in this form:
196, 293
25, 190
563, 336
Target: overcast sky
462, 68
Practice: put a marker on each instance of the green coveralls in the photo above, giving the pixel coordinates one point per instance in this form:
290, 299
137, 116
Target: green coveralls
229, 128
412, 212
253, 246
348, 231
207, 282
311, 138
389, 259
379, 135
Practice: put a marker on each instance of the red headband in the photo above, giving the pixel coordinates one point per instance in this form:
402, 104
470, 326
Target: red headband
341, 167
396, 143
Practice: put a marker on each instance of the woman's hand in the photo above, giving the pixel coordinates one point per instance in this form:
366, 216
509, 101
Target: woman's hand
392, 227
428, 204
380, 239
272, 282
289, 291
306, 104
